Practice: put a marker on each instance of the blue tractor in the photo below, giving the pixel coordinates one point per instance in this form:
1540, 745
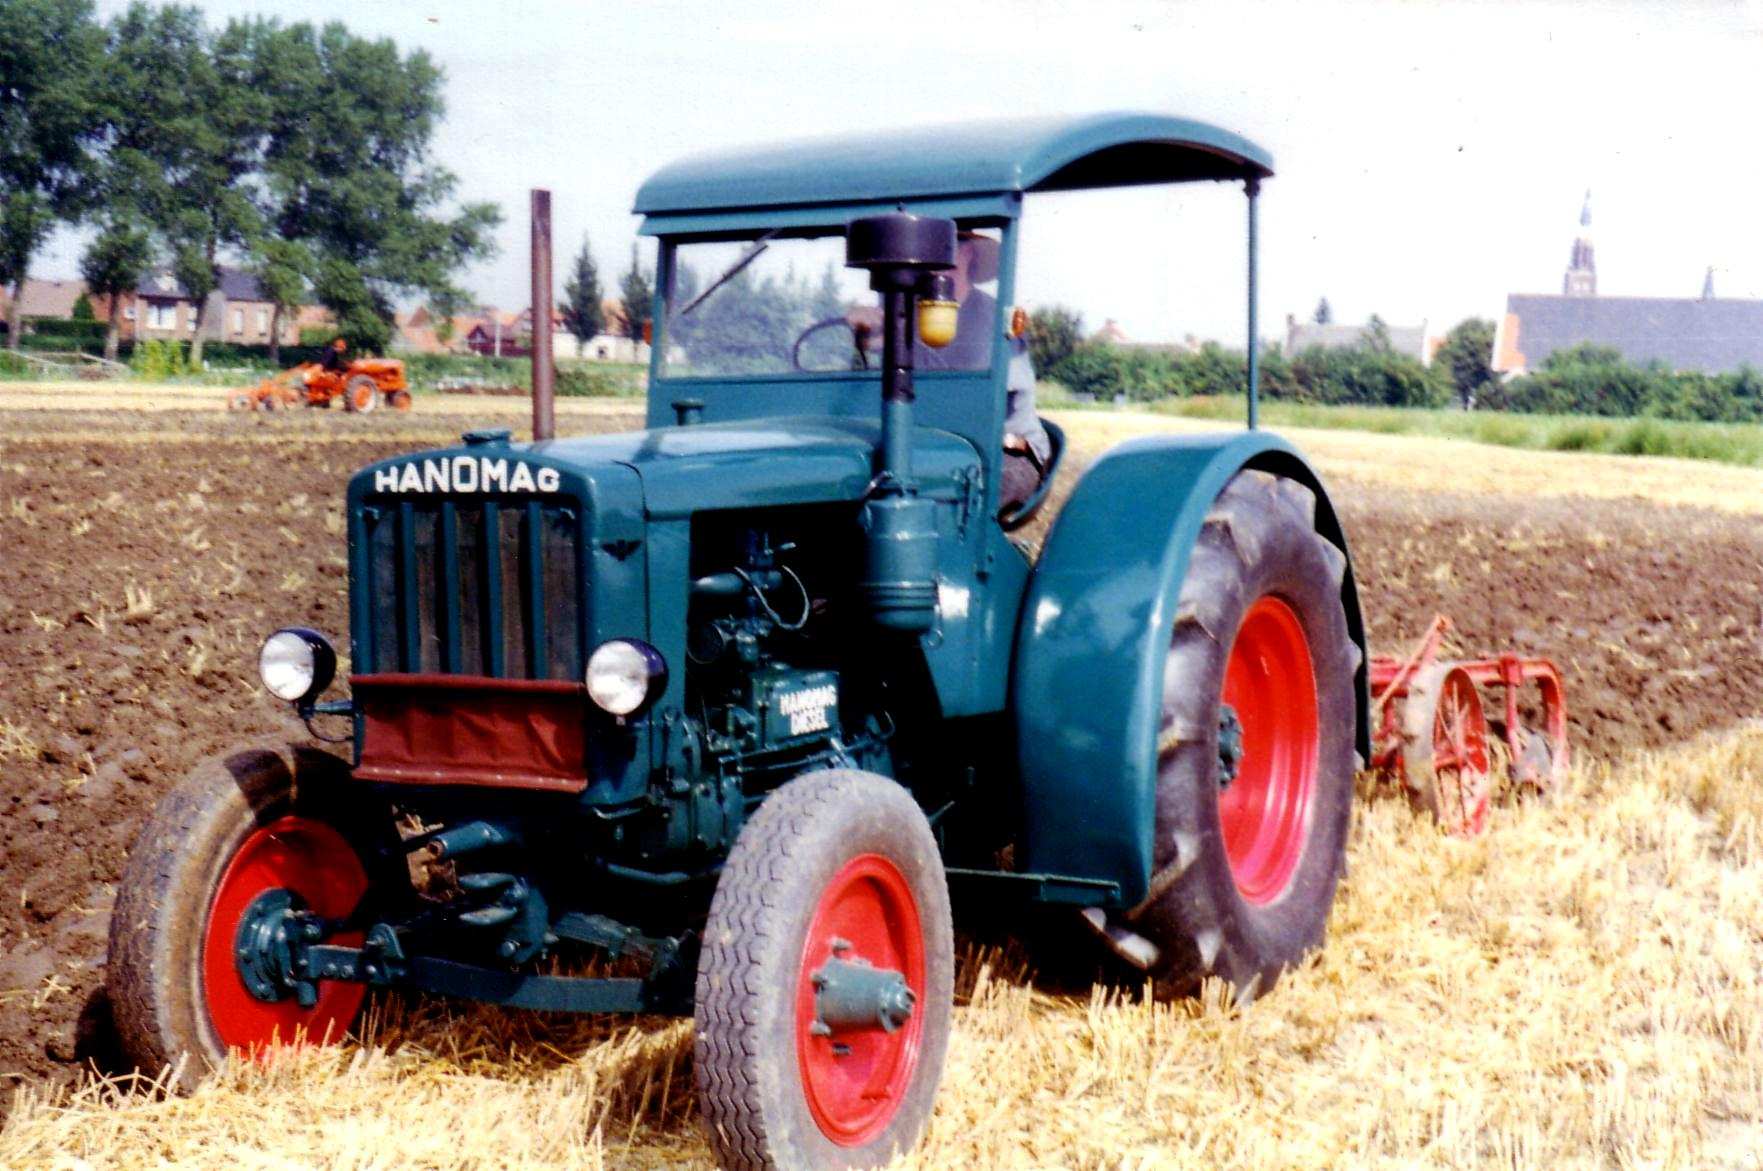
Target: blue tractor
731, 704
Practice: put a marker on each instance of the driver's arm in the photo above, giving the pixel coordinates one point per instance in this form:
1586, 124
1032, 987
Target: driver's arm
1023, 432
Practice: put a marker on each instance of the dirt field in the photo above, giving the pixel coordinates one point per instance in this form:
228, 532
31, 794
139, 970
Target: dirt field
146, 553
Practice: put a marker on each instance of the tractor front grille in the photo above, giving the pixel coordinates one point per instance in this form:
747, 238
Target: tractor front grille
470, 588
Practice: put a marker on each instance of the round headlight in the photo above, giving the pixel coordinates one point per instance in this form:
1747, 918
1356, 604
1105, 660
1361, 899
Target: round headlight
296, 664
625, 676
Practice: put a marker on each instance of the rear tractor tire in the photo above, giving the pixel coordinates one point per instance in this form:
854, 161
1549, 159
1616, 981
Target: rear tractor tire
253, 822
826, 979
361, 394
1255, 750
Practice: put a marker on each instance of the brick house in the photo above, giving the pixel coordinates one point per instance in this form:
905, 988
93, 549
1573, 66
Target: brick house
238, 311
42, 298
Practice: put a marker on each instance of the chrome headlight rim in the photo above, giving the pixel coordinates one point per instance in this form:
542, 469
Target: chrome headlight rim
296, 664
625, 676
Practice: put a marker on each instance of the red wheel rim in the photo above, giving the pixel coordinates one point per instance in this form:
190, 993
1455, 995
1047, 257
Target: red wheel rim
1270, 681
1460, 757
853, 1097
312, 860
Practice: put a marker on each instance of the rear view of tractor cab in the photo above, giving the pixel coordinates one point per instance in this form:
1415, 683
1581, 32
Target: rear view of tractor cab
737, 699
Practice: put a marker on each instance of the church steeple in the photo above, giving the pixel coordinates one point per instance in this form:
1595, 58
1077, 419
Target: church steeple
1708, 284
1582, 269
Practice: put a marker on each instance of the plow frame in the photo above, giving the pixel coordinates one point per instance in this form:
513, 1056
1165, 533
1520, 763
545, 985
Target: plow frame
1423, 704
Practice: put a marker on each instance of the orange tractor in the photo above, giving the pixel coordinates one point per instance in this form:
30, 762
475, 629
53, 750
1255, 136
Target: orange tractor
362, 385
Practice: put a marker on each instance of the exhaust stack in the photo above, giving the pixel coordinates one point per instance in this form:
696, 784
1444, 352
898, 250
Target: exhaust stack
544, 370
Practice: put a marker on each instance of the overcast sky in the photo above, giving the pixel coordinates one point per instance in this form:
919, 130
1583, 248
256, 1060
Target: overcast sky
1430, 157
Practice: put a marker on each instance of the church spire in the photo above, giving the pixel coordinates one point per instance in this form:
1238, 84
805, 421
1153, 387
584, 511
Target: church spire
1708, 284
1581, 279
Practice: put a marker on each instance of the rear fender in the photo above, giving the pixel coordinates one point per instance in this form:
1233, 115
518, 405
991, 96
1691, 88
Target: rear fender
1086, 686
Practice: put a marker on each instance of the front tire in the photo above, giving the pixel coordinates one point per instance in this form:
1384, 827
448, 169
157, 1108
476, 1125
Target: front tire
1256, 754
361, 394
238, 826
835, 866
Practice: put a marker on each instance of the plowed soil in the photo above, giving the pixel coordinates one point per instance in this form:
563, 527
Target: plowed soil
143, 557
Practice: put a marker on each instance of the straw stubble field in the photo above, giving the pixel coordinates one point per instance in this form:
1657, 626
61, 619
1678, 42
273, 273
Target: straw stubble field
1578, 988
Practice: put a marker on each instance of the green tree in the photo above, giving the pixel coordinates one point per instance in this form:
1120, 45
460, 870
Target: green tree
1466, 356
348, 172
189, 123
583, 314
1054, 331
638, 296
112, 266
283, 270
50, 122
1323, 314
82, 308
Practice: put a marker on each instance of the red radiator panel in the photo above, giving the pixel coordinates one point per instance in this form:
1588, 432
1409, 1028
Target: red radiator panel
473, 730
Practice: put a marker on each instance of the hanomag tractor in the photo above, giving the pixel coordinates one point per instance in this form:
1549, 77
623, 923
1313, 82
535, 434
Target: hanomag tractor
732, 702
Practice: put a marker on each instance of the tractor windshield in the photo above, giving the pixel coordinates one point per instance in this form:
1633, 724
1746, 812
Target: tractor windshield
777, 304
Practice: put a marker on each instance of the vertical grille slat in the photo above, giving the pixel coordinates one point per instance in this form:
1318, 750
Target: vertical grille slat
469, 588
447, 545
533, 531
491, 559
409, 607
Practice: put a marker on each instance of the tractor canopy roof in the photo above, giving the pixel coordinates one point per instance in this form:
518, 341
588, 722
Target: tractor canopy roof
963, 162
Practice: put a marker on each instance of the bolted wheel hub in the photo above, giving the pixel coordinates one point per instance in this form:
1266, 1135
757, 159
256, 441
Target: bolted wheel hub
1230, 745
853, 994
270, 945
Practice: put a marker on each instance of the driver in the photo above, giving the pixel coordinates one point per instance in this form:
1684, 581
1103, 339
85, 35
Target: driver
1026, 446
335, 358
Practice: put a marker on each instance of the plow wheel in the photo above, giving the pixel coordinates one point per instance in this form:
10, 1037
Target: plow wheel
1445, 748
239, 400
361, 394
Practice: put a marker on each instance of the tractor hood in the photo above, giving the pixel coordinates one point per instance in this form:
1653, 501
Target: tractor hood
675, 471
802, 460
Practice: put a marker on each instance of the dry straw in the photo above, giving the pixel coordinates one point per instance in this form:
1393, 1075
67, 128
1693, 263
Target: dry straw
1578, 988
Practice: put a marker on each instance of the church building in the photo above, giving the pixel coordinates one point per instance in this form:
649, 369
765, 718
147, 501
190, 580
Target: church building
1707, 333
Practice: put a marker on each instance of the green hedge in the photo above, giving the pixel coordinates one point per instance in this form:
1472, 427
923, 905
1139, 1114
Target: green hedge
1369, 375
67, 333
1597, 380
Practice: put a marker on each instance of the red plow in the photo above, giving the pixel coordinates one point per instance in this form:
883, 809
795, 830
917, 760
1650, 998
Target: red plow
1432, 734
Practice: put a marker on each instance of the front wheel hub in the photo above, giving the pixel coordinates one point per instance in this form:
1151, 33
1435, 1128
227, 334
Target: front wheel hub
855, 995
273, 934
861, 976
283, 884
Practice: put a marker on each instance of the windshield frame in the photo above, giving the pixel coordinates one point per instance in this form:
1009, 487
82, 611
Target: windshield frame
663, 313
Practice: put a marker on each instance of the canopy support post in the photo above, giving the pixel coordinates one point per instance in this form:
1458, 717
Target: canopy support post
1253, 188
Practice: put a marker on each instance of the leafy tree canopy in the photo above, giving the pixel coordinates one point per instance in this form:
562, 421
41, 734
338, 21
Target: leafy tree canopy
1054, 331
1466, 356
50, 124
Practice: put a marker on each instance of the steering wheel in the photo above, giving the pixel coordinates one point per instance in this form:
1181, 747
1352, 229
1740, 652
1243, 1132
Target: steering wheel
828, 323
